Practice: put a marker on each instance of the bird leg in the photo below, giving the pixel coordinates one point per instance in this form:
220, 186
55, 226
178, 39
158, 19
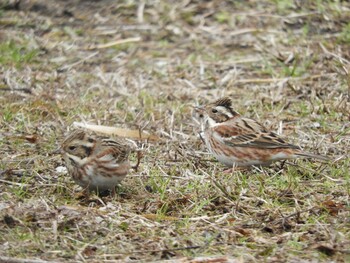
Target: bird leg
113, 192
139, 157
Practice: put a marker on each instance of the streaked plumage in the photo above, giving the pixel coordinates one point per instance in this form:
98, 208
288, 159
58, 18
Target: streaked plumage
238, 141
95, 163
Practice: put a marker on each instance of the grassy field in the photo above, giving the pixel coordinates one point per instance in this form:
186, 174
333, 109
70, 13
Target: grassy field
143, 65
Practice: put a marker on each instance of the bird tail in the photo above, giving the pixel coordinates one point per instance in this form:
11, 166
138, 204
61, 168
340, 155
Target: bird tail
314, 156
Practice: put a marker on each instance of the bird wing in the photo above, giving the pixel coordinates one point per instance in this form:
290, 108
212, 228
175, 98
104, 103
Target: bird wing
118, 150
244, 132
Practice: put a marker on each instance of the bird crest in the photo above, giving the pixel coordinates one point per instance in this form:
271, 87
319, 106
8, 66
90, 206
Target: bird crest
224, 102
75, 135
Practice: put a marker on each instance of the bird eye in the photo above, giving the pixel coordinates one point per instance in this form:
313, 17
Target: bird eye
90, 140
214, 110
72, 148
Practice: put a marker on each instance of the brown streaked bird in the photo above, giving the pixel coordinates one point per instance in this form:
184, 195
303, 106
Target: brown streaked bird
95, 163
238, 141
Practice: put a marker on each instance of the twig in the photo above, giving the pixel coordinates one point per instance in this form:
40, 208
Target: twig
249, 30
13, 183
233, 62
347, 76
23, 260
341, 59
162, 250
153, 251
114, 43
117, 131
25, 90
139, 157
140, 11
269, 80
292, 215
259, 14
160, 176
19, 172
67, 67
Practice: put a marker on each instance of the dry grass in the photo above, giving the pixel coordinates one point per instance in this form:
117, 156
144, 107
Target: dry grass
134, 65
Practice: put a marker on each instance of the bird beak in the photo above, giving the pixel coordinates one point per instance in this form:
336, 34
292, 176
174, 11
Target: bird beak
199, 110
57, 151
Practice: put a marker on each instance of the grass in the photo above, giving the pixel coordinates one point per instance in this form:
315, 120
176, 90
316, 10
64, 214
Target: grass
16, 55
179, 203
345, 34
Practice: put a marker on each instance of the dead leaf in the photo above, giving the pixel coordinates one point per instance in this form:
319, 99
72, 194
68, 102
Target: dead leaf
10, 221
31, 138
134, 134
89, 251
332, 207
244, 232
326, 249
159, 217
114, 43
211, 259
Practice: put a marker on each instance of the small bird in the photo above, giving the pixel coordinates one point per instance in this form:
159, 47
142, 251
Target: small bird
96, 164
238, 141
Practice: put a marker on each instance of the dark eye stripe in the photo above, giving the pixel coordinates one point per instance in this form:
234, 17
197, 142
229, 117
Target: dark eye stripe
87, 150
72, 161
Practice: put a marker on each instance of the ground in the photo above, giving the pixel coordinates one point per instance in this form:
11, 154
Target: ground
144, 65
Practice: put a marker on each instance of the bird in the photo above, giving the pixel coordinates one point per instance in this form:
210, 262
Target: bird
95, 163
236, 141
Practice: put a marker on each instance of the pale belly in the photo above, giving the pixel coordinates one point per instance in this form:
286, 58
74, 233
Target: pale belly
103, 183
231, 161
99, 181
